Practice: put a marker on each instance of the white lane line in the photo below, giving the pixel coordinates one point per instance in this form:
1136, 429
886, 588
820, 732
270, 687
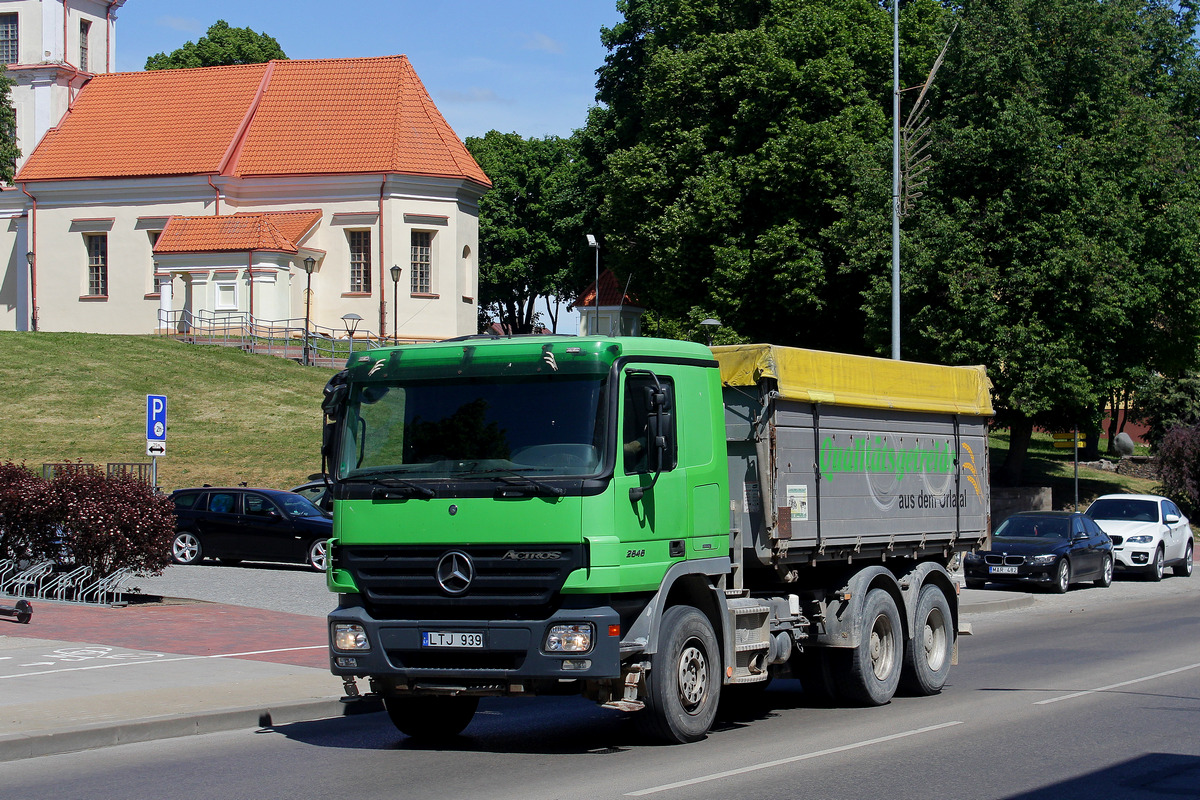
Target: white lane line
1112, 686
768, 764
165, 661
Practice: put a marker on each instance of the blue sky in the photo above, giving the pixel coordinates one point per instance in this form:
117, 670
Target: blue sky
512, 65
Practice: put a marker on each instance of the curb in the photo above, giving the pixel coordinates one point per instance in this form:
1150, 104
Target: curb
18, 746
999, 604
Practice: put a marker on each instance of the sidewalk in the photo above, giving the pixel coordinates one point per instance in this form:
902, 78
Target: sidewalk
79, 677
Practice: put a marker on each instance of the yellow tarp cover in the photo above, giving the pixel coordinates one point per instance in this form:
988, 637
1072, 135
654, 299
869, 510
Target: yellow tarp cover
814, 376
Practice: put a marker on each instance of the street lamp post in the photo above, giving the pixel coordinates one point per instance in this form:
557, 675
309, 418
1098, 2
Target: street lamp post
309, 264
592, 243
395, 270
351, 322
711, 324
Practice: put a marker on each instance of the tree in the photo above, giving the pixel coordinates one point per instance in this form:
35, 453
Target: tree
531, 226
221, 47
9, 152
1057, 242
734, 135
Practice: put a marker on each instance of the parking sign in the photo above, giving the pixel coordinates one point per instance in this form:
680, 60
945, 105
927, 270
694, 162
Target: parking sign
156, 418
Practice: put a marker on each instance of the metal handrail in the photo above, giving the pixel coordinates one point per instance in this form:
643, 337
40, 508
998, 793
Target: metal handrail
286, 338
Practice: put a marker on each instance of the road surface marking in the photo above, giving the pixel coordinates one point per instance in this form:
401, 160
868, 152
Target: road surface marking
164, 661
768, 764
1112, 686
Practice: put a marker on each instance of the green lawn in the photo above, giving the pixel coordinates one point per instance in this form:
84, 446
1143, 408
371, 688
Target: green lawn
232, 417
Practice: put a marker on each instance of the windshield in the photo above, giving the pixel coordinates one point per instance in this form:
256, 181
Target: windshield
492, 426
1128, 510
298, 506
1034, 527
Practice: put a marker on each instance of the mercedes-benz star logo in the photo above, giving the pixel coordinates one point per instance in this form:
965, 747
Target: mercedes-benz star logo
455, 573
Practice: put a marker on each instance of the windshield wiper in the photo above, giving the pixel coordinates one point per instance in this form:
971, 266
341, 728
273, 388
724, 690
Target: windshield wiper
395, 484
517, 480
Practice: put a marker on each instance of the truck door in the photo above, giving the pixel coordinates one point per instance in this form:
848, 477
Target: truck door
646, 524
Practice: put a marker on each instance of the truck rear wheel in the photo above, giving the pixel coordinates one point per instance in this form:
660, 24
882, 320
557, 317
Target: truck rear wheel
431, 717
874, 665
683, 686
927, 655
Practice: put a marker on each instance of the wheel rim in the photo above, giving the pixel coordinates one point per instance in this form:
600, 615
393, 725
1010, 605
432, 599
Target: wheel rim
935, 639
1108, 570
693, 676
1187, 560
882, 647
316, 555
186, 547
1158, 562
1064, 575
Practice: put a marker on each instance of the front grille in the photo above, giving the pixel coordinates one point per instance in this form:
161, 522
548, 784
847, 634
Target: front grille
456, 661
406, 575
1003, 560
1117, 540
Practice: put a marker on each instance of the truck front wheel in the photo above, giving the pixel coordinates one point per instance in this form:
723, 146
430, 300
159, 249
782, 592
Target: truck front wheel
684, 683
927, 657
431, 717
874, 668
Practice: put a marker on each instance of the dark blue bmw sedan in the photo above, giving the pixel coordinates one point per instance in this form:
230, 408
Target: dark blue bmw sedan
1053, 549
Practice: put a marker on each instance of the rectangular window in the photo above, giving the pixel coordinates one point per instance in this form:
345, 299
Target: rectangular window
97, 250
227, 297
360, 261
10, 52
84, 28
422, 247
647, 416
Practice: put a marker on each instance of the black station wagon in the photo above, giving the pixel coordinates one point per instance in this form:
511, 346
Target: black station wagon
235, 524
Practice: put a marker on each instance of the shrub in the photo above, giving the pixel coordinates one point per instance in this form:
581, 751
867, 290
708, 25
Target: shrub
114, 521
29, 515
1179, 467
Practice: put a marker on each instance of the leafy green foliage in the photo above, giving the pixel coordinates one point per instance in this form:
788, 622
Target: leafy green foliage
1057, 241
222, 46
9, 151
1165, 403
531, 226
734, 135
1179, 464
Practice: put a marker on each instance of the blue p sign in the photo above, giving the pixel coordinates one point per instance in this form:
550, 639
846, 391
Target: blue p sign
156, 417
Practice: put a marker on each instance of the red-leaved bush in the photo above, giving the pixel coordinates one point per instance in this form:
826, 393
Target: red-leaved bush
1179, 467
29, 514
114, 521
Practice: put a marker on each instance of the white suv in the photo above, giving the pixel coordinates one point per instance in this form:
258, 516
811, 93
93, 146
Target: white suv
1149, 533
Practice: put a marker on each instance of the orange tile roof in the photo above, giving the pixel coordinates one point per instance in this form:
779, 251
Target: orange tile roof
269, 230
304, 117
610, 293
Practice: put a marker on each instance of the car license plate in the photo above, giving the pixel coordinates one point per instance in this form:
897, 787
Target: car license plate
1002, 570
471, 639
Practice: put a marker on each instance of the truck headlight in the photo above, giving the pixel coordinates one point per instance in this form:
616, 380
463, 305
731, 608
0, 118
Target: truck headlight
570, 638
350, 637
1143, 539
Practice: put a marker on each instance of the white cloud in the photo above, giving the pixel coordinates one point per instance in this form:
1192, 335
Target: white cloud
543, 43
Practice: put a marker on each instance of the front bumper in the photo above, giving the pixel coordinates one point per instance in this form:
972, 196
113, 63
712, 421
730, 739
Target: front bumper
1041, 574
511, 654
1133, 558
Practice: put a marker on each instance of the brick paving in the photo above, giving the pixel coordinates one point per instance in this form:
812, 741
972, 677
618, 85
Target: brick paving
196, 629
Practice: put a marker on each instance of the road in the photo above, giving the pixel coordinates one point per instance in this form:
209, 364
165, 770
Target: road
1095, 694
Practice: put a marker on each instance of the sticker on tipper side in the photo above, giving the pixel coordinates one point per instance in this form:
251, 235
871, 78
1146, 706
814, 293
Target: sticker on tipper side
797, 497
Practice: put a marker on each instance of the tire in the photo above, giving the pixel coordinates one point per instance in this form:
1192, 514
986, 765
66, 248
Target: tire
186, 548
232, 562
874, 666
1155, 573
927, 654
1062, 577
683, 687
1106, 573
317, 552
1184, 568
431, 718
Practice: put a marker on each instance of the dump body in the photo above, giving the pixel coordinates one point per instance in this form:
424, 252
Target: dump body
835, 457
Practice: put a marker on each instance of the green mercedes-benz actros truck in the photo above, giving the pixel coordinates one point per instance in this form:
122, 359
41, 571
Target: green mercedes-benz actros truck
647, 523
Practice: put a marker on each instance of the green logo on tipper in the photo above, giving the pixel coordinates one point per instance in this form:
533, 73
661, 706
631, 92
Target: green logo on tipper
878, 456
